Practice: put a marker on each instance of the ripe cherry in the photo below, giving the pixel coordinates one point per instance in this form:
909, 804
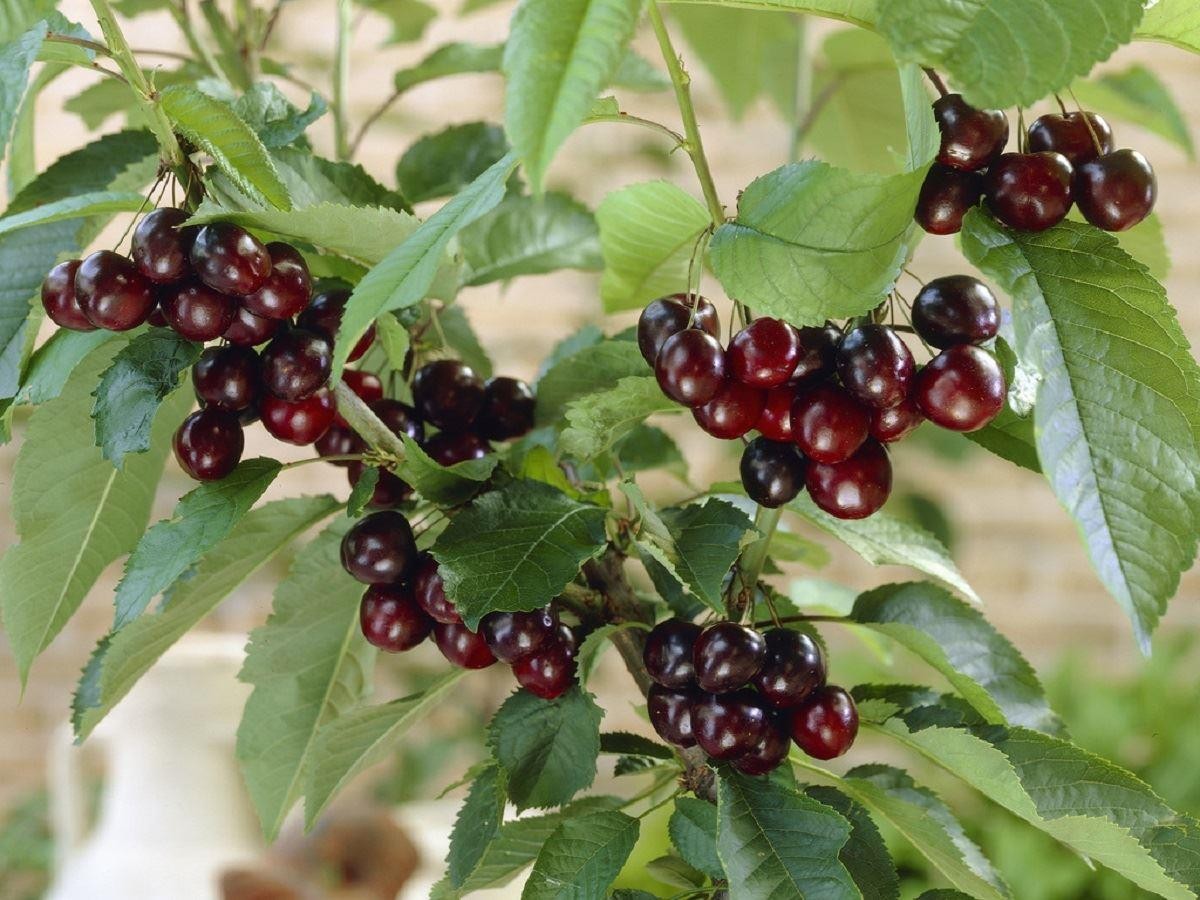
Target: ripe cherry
876, 367
296, 364
734, 410
1070, 135
301, 421
794, 668
390, 618
366, 385
962, 388
549, 671
668, 653
1117, 190
727, 726
945, 197
955, 309
430, 591
825, 725
390, 489
775, 422
829, 425
690, 367
448, 393
227, 377
160, 247
971, 138
770, 752
112, 293
324, 314
670, 711
772, 472
513, 635
461, 646
726, 656
379, 549
400, 418
339, 440
209, 444
449, 447
854, 488
1029, 191
669, 315
508, 407
818, 352
896, 422
195, 310
764, 353
249, 330
230, 259
58, 298
288, 288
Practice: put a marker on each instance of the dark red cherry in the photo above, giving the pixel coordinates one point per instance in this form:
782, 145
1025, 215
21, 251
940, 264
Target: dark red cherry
339, 440
971, 138
670, 711
818, 352
735, 410
195, 311
324, 314
549, 671
962, 388
513, 635
379, 549
230, 259
431, 592
775, 421
507, 413
825, 725
690, 367
298, 421
296, 364
112, 293
772, 472
896, 422
955, 309
771, 750
669, 315
1029, 191
829, 425
668, 652
1116, 191
156, 319
448, 393
249, 330
288, 288
227, 377
764, 353
160, 247
400, 418
726, 656
946, 195
463, 647
209, 444
390, 618
727, 726
794, 668
875, 366
854, 488
390, 489
366, 385
449, 447
58, 298
1070, 135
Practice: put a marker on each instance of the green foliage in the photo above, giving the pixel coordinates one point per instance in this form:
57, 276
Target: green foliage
440, 165
693, 829
1173, 21
448, 60
16, 59
699, 543
597, 421
274, 118
408, 18
444, 485
477, 825
591, 369
864, 855
1137, 95
582, 857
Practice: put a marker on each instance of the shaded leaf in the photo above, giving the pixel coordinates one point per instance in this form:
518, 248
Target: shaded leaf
865, 855
582, 857
595, 422
442, 164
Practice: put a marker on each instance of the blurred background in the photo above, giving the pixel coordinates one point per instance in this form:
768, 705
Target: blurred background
1009, 536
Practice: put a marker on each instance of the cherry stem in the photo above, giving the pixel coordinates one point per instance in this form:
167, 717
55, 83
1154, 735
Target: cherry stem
1022, 135
1061, 105
1087, 122
337, 457
794, 620
936, 79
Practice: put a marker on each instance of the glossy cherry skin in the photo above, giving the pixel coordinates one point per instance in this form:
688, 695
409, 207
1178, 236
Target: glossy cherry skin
971, 138
770, 752
367, 386
379, 549
669, 315
668, 653
896, 422
793, 669
400, 418
1117, 190
961, 389
324, 314
58, 298
508, 407
946, 195
160, 247
727, 726
1029, 191
296, 364
691, 367
670, 711
390, 489
549, 671
390, 618
854, 488
825, 725
734, 410
463, 647
513, 635
288, 288
209, 444
227, 377
449, 447
726, 656
1069, 135
112, 293
298, 422
772, 472
775, 421
764, 353
156, 319
955, 309
230, 259
339, 440
818, 352
195, 311
829, 425
448, 393
249, 330
431, 592
875, 366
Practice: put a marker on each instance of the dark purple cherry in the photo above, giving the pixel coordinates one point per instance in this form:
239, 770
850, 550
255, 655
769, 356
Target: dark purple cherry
296, 364
961, 389
400, 418
1116, 191
955, 309
896, 422
946, 195
448, 393
825, 725
1071, 136
772, 472
339, 440
513, 635
379, 549
670, 711
195, 311
549, 671
690, 367
1029, 191
324, 314
764, 353
367, 386
249, 330
829, 425
854, 488
58, 298
431, 592
390, 490
727, 726
876, 367
507, 413
112, 293
230, 259
818, 352
298, 421
726, 656
227, 377
463, 647
775, 421
160, 247
390, 618
668, 652
209, 444
449, 447
288, 288
669, 315
770, 752
735, 410
794, 668
971, 138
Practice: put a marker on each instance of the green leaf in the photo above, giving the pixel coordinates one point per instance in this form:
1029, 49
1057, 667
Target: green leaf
705, 539
1117, 417
1001, 53
17, 55
92, 168
865, 855
597, 421
582, 858
648, 235
636, 73
442, 164
1137, 95
1173, 21
559, 55
76, 207
547, 748
516, 548
856, 12
394, 339
53, 362
362, 492
462, 339
477, 825
274, 118
312, 180
1146, 243
201, 520
693, 830
595, 644
592, 369
451, 59
409, 18
443, 485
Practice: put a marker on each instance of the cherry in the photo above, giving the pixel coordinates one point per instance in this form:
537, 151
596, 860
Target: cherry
379, 549
1069, 135
828, 424
301, 421
390, 490
112, 293
160, 248
727, 726
946, 195
971, 138
448, 447
431, 592
669, 315
296, 363
508, 407
876, 367
287, 289
772, 472
734, 410
324, 314
230, 259
227, 377
196, 311
209, 444
670, 713
764, 353
549, 671
896, 422
156, 319
825, 725
769, 753
366, 385
249, 330
58, 297
339, 440
668, 652
1029, 191
513, 635
961, 389
400, 418
818, 351
726, 656
690, 367
854, 488
463, 647
775, 422
390, 618
794, 668
955, 309
447, 393
1117, 190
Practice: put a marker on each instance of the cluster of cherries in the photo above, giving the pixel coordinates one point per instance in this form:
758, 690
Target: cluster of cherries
1067, 158
824, 401
743, 697
405, 602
